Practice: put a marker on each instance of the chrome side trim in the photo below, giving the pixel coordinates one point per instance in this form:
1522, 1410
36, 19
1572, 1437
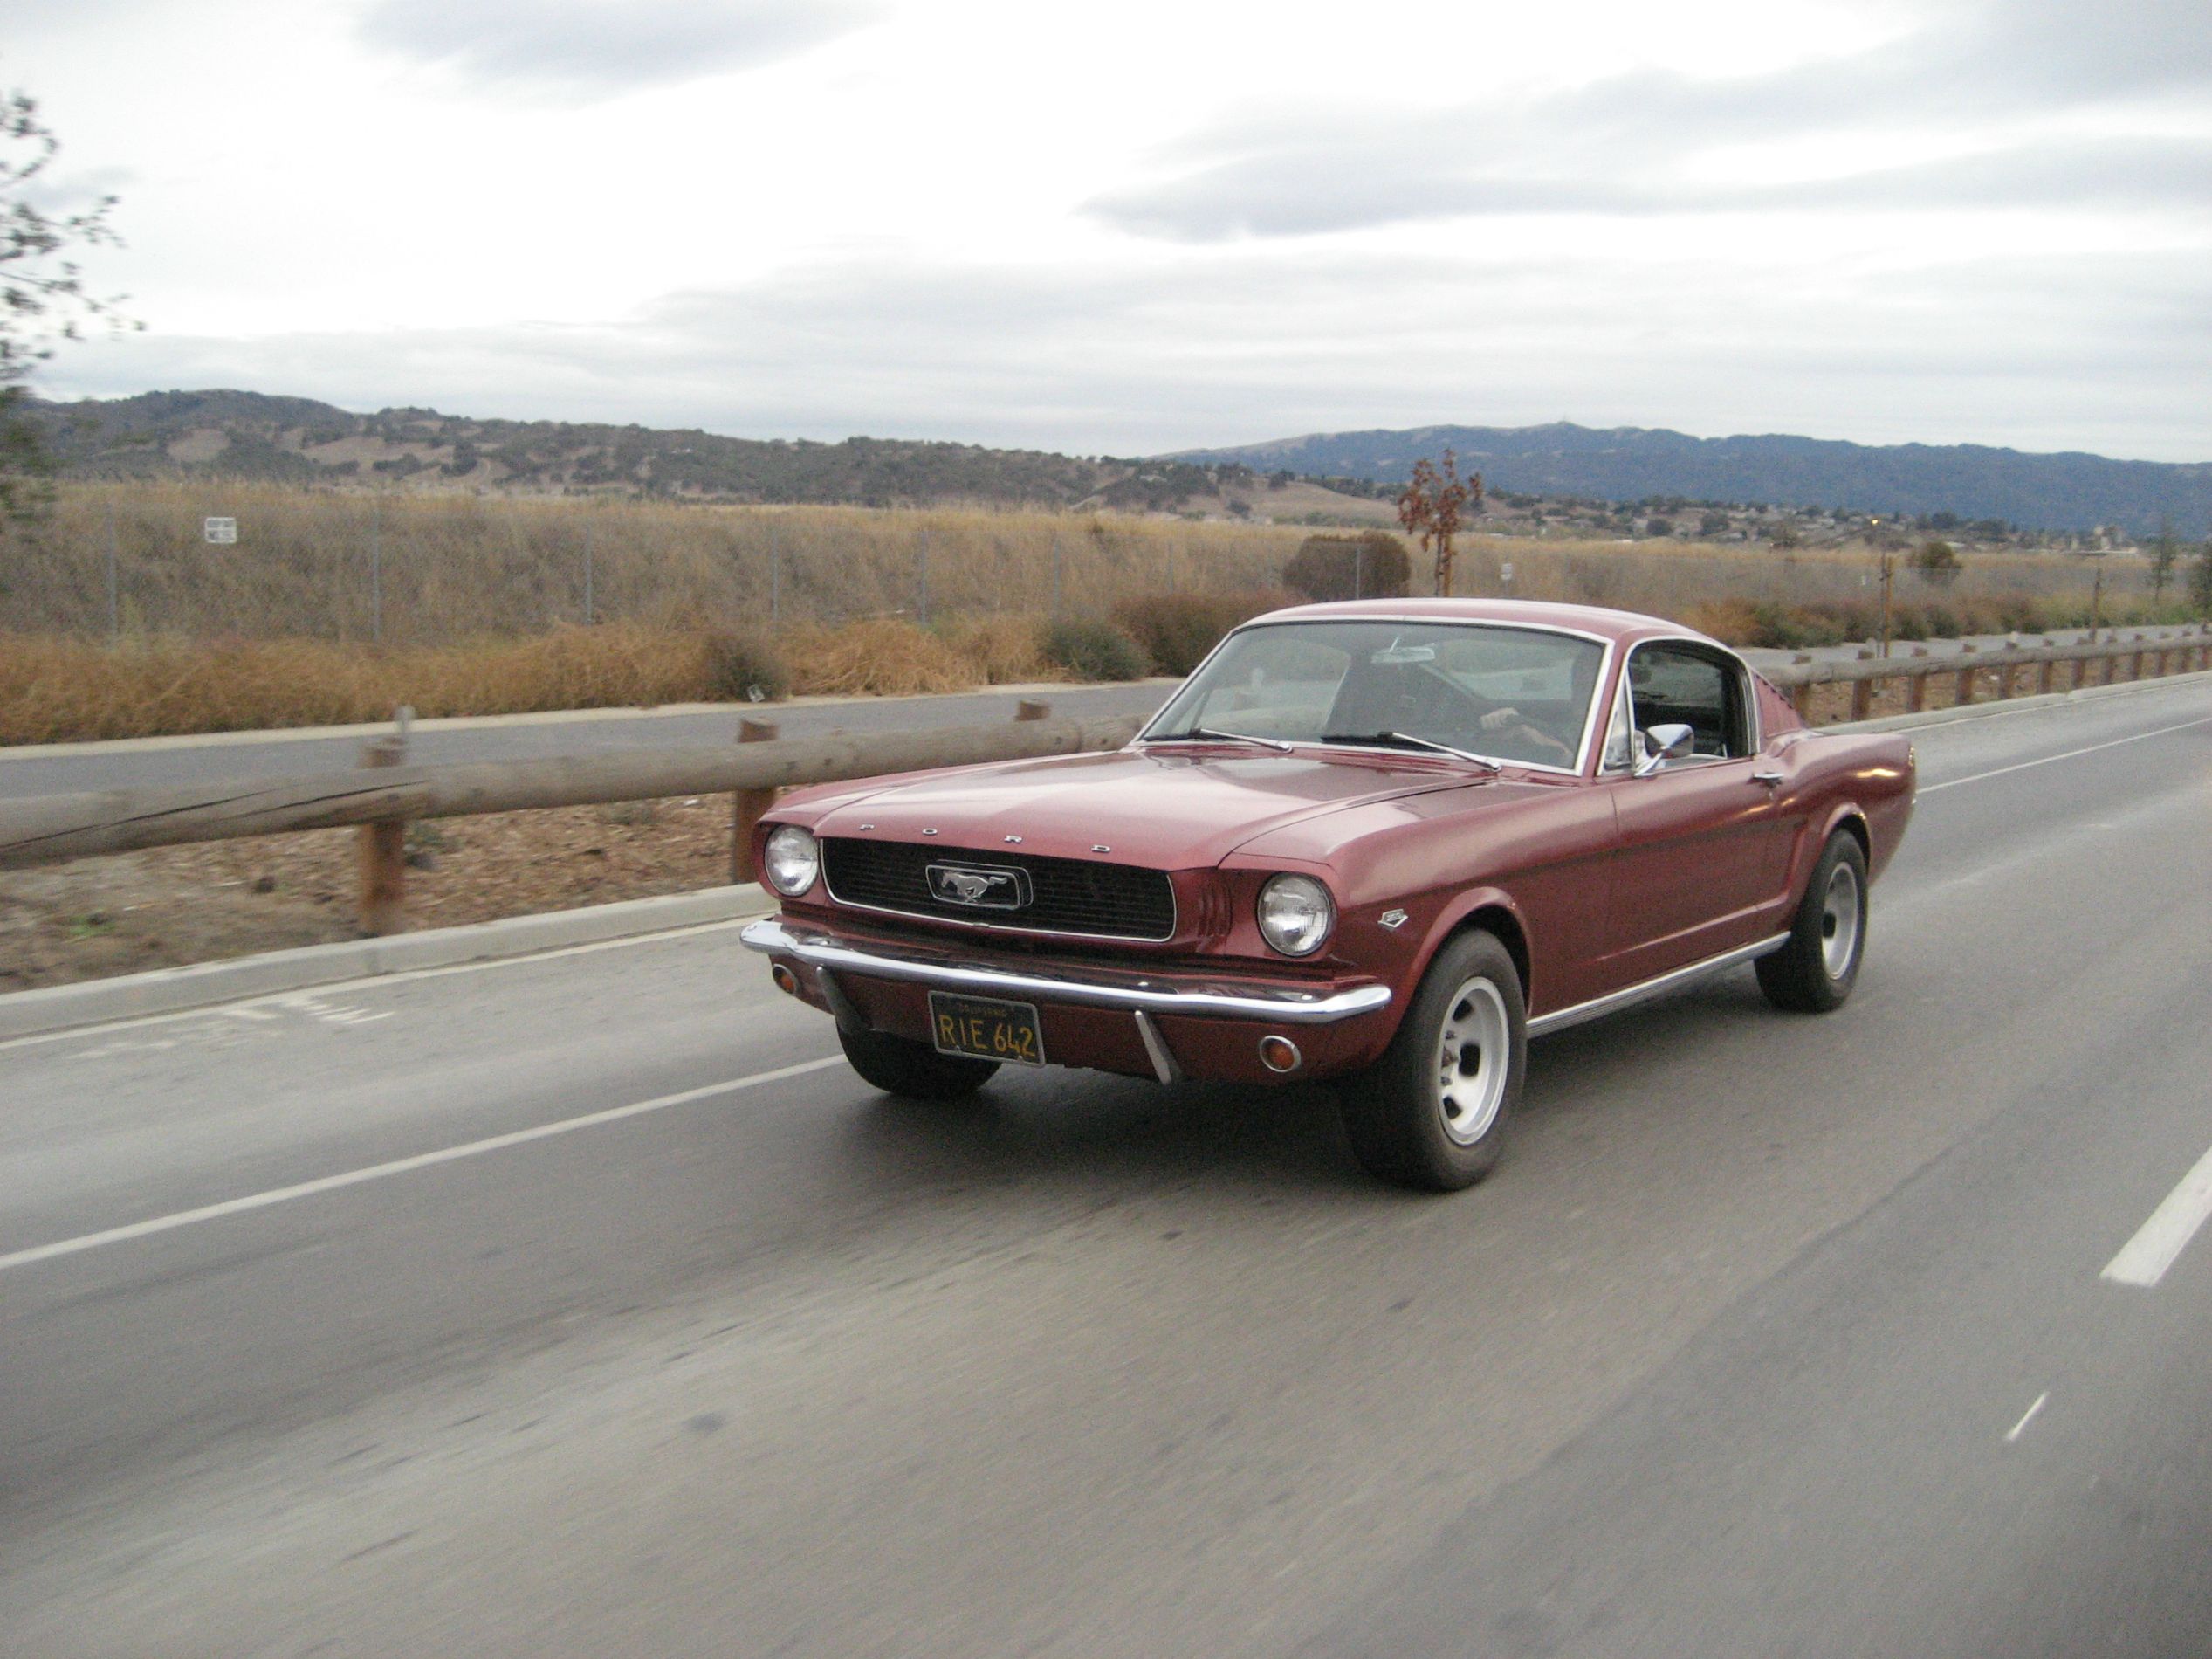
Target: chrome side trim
1165, 1067
1283, 1007
1597, 1008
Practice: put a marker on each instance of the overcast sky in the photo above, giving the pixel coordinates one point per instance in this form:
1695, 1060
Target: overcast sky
1143, 226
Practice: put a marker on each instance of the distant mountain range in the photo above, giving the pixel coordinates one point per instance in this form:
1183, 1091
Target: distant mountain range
2064, 492
249, 434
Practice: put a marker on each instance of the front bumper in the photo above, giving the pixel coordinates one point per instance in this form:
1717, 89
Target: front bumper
1169, 1025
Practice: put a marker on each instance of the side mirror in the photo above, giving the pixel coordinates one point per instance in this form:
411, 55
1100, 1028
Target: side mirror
1662, 744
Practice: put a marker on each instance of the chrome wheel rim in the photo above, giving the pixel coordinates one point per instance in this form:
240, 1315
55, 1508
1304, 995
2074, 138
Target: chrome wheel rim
1839, 922
1473, 1052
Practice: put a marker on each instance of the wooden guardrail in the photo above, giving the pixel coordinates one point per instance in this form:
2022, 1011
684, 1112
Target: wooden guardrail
2047, 667
384, 794
54, 828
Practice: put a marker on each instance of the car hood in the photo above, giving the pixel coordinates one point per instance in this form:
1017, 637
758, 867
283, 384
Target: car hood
1168, 811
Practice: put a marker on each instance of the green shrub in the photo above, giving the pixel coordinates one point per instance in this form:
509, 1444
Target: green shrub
1371, 565
736, 662
1175, 630
1095, 650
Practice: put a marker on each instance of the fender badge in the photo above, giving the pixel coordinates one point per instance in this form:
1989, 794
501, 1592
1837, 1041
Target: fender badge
1392, 919
1014, 841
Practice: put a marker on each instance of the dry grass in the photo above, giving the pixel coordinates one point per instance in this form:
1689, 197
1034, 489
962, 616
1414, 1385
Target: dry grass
474, 602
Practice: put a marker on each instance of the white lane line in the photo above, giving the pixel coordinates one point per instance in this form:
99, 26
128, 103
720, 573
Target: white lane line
2027, 1417
1952, 783
403, 1165
2143, 1260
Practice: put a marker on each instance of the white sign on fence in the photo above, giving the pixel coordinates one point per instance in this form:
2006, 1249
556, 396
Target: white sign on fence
223, 531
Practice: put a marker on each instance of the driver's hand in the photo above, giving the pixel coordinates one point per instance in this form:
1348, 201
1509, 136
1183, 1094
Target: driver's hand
1498, 717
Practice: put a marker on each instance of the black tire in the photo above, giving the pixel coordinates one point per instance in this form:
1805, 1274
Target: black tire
1813, 974
1412, 1122
899, 1066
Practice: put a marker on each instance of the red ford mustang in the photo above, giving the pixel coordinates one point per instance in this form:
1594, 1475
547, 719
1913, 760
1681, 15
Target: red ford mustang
1383, 842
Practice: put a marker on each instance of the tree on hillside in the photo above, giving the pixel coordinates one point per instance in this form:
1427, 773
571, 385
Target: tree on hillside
1431, 506
2165, 549
43, 299
2200, 580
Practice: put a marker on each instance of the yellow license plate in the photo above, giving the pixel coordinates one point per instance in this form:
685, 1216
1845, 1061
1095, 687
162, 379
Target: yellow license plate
986, 1028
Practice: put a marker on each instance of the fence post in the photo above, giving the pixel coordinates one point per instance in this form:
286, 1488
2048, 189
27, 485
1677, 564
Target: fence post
1965, 691
376, 573
1027, 710
1801, 693
114, 602
925, 574
589, 618
1862, 695
747, 805
775, 575
383, 846
1055, 575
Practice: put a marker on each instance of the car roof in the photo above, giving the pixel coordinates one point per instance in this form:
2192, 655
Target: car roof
1621, 625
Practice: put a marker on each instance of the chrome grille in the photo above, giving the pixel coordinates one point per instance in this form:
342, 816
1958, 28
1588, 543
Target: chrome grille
1072, 895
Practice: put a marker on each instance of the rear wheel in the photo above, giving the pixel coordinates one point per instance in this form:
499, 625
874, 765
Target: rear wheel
1814, 972
898, 1066
1432, 1111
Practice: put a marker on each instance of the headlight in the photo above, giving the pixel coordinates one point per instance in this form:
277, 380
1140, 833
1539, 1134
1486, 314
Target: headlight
1296, 914
792, 860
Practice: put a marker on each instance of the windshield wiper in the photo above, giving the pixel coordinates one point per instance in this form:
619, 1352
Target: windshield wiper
1482, 761
1209, 734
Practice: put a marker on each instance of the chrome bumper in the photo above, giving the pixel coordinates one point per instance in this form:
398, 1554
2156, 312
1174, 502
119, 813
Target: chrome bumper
1154, 994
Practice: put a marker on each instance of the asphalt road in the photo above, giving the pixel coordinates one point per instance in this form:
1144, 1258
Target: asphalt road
582, 1305
161, 762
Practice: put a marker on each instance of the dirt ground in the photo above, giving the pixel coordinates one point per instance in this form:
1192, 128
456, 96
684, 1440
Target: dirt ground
177, 904
180, 904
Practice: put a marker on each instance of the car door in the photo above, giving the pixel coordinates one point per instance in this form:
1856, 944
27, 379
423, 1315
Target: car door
1698, 836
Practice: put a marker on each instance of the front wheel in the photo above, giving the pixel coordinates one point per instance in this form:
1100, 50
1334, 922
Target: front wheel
1814, 972
1432, 1111
898, 1066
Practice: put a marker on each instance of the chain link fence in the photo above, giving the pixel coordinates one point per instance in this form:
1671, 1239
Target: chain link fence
135, 561
401, 571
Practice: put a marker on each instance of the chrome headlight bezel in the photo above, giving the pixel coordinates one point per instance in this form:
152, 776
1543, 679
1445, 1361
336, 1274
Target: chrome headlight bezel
1296, 914
790, 860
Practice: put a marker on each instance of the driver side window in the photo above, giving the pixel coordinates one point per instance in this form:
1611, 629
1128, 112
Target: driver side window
1680, 685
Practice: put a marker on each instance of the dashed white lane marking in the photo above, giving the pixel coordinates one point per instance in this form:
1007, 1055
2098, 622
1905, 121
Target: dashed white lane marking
401, 1166
1952, 783
2143, 1260
2026, 1417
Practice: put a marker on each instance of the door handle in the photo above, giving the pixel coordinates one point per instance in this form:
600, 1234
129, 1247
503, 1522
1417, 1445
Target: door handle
1767, 776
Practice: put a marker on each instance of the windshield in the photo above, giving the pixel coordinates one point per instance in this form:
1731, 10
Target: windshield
1517, 695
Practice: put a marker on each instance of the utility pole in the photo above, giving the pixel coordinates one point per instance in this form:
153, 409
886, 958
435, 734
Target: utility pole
376, 573
1889, 574
2095, 602
588, 577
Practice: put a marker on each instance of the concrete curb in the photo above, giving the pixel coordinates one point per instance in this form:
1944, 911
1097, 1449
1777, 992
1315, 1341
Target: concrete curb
170, 990
2015, 704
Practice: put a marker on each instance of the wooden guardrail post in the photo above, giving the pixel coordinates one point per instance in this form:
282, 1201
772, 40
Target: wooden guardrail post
2050, 673
1964, 692
1862, 692
383, 846
1027, 710
1801, 693
1916, 686
746, 806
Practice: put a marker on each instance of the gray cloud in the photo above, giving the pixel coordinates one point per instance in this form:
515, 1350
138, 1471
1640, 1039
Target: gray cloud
2064, 352
1623, 145
590, 47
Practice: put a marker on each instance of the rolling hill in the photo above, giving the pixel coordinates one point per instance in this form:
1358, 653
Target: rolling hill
2060, 491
